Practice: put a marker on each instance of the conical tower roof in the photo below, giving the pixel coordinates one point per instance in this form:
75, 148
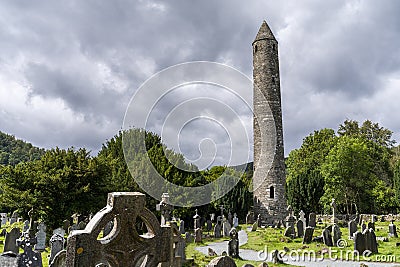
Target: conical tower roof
264, 32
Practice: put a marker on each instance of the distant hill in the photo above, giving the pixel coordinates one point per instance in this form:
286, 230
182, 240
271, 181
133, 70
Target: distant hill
13, 151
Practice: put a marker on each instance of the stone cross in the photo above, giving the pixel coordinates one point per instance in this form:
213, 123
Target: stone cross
124, 246
222, 210
28, 257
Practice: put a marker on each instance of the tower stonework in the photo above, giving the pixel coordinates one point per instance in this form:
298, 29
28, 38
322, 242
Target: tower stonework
269, 167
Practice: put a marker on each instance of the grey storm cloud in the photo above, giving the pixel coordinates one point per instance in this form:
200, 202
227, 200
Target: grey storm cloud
69, 68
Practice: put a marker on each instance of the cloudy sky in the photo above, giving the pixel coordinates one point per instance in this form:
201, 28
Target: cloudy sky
69, 68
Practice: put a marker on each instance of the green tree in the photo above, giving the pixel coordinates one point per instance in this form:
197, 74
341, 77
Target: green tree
348, 176
61, 183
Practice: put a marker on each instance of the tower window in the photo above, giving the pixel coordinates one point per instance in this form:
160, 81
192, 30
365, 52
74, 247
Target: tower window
255, 49
273, 79
273, 47
272, 192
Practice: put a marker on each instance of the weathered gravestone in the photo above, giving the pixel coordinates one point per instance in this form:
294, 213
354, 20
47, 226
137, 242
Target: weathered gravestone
198, 235
233, 244
250, 218
56, 245
352, 228
312, 220
197, 218
370, 240
337, 234
10, 243
28, 258
300, 228
290, 221
4, 218
41, 237
235, 220
226, 226
308, 235
222, 261
303, 219
392, 230
125, 247
230, 218
359, 243
14, 217
218, 228
327, 237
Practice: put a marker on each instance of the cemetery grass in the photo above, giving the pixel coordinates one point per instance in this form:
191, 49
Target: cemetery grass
202, 260
271, 239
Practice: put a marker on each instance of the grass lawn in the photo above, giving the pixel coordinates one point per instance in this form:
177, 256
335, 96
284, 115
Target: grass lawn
270, 239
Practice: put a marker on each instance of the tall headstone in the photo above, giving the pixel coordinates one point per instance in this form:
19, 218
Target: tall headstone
370, 240
233, 244
250, 218
337, 234
10, 242
392, 230
4, 218
303, 218
359, 242
312, 220
300, 228
197, 235
196, 218
41, 237
352, 228
308, 235
165, 208
290, 224
56, 245
327, 237
230, 218
269, 163
259, 222
235, 220
226, 226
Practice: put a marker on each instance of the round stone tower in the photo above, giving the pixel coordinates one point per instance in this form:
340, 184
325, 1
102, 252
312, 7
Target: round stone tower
269, 163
